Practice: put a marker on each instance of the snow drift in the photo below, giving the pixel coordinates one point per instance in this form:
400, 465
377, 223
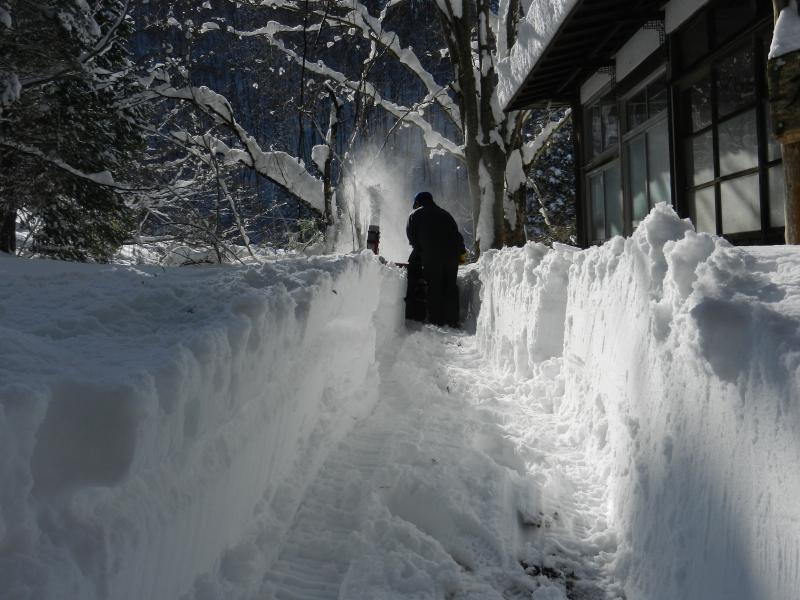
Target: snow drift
676, 363
159, 428
159, 425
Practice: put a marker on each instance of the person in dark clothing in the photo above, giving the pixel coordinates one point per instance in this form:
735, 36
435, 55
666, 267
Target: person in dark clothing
437, 247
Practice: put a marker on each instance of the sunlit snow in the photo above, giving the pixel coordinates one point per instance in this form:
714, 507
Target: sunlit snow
622, 424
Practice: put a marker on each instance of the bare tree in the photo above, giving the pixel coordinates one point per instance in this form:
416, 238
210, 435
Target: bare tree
496, 147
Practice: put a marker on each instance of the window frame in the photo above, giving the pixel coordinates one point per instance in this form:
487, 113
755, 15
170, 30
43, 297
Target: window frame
755, 38
616, 154
641, 130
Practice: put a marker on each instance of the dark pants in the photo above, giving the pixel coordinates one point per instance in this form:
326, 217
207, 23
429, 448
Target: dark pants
417, 291
442, 279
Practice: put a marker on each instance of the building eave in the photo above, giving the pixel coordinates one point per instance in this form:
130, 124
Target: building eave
587, 39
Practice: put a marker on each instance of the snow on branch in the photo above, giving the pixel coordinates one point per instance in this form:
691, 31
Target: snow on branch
519, 161
530, 150
278, 167
434, 140
104, 178
372, 29
357, 16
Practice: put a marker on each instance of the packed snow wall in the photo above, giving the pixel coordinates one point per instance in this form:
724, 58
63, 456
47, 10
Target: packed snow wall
674, 360
158, 427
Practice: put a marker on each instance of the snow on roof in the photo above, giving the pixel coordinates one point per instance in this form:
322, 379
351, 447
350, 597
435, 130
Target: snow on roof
536, 30
786, 38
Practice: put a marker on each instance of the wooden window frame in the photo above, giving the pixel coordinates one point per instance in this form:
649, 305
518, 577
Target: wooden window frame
706, 67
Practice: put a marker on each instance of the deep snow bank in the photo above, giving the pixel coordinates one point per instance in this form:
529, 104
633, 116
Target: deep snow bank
677, 361
158, 427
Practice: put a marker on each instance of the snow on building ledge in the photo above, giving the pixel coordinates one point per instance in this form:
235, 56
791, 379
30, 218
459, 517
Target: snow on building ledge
561, 42
535, 32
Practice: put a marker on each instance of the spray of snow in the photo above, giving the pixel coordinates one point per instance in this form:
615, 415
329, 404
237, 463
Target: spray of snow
383, 196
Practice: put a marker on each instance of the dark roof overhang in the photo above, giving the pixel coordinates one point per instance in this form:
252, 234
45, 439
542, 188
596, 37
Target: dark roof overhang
588, 38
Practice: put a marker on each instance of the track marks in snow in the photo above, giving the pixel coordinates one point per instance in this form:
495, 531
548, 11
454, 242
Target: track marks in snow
458, 485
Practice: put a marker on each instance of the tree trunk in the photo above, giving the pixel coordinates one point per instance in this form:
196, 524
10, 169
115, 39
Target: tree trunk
515, 236
8, 208
327, 174
8, 227
783, 75
791, 170
486, 169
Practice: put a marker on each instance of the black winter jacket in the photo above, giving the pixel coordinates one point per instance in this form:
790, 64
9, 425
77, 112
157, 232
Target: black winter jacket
433, 233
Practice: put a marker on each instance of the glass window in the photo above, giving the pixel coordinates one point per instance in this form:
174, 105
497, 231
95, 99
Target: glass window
740, 204
646, 104
657, 97
704, 213
738, 144
732, 17
699, 101
777, 197
596, 131
730, 157
773, 147
659, 180
701, 158
598, 207
636, 109
736, 84
693, 41
606, 201
613, 201
648, 170
637, 178
610, 125
604, 125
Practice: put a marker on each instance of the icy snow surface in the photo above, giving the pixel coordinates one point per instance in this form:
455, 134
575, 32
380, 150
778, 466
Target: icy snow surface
623, 424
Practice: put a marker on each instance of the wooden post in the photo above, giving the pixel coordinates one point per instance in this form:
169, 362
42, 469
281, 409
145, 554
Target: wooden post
783, 76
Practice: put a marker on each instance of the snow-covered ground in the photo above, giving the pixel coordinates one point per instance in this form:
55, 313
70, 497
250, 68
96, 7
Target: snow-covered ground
152, 420
623, 424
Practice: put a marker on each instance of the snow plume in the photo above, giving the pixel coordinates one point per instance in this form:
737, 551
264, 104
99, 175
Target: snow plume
376, 192
159, 427
673, 358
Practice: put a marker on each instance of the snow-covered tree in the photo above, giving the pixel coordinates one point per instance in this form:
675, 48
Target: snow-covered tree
66, 130
497, 148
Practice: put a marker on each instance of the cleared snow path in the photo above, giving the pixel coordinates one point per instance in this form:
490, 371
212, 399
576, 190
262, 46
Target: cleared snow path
438, 493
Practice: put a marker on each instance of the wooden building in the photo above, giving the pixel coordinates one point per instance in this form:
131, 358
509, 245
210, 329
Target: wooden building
669, 105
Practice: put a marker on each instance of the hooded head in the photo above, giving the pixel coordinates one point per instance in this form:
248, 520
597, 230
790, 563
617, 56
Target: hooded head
423, 199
